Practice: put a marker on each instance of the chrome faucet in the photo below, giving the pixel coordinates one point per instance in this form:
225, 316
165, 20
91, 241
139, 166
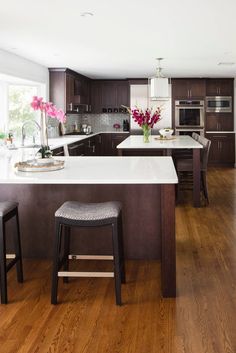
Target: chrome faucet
29, 122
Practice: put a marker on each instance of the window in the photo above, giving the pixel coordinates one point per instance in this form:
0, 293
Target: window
15, 98
19, 110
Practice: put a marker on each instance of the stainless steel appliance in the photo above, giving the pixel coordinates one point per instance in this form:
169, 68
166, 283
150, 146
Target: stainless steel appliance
219, 104
189, 114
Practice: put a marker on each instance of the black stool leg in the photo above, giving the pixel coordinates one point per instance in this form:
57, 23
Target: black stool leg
19, 267
66, 251
116, 262
3, 272
56, 261
121, 248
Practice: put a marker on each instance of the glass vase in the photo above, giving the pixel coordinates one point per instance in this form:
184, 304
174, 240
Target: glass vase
146, 133
44, 136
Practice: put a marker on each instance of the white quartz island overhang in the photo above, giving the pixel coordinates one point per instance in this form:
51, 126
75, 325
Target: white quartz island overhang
144, 185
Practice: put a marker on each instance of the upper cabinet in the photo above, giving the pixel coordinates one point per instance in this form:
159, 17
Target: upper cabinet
69, 90
219, 87
188, 88
107, 96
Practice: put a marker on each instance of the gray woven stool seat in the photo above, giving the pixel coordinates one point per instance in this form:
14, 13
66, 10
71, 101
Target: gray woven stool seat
79, 214
7, 206
87, 212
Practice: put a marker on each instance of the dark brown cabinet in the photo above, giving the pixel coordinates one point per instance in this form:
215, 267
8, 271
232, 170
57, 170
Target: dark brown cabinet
69, 90
188, 88
57, 152
76, 149
219, 87
91, 146
222, 150
219, 122
107, 96
109, 143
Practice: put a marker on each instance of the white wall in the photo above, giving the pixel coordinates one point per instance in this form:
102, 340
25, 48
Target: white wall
139, 98
14, 65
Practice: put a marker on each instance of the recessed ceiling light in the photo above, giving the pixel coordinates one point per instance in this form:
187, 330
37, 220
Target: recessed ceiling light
86, 14
226, 63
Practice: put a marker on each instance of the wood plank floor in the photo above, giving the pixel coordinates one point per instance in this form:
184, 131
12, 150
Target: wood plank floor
201, 319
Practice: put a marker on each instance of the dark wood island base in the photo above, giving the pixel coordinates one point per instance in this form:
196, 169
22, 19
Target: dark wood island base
148, 215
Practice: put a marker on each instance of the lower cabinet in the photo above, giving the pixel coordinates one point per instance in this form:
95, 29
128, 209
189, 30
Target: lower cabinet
222, 150
98, 145
57, 152
76, 149
110, 141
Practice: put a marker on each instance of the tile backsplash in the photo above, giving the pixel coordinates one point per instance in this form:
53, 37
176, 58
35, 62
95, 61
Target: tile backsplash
99, 122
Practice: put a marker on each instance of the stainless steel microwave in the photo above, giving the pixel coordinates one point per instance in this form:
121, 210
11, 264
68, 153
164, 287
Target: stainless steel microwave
219, 104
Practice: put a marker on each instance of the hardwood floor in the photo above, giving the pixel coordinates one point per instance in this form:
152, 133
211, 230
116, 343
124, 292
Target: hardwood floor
201, 319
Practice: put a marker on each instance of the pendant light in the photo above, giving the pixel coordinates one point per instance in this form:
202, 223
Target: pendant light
159, 85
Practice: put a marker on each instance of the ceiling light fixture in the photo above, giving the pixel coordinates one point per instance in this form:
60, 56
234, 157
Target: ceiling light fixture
159, 85
86, 14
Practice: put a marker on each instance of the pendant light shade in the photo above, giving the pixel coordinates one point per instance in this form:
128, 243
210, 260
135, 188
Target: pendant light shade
159, 85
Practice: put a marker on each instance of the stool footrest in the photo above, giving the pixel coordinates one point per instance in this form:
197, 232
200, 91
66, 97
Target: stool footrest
10, 256
84, 274
91, 257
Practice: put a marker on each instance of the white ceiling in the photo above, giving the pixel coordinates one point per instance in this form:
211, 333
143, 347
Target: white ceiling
124, 37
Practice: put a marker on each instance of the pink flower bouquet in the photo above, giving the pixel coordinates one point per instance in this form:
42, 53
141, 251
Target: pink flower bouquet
47, 109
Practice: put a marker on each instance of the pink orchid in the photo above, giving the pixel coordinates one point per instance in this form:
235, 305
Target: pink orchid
49, 108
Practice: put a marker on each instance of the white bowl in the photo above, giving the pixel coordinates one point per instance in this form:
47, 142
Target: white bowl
166, 132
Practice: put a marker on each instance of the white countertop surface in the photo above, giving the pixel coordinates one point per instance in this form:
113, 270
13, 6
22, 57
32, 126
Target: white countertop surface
96, 170
178, 142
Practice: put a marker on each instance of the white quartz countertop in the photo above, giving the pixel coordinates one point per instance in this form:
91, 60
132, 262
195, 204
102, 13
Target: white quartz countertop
96, 170
178, 142
68, 139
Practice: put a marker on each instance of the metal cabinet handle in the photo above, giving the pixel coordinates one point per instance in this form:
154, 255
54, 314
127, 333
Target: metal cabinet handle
75, 146
93, 148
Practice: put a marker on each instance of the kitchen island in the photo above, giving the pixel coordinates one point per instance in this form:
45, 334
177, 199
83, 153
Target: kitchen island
144, 185
134, 145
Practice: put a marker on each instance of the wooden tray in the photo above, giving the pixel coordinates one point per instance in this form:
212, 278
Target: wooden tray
164, 138
31, 166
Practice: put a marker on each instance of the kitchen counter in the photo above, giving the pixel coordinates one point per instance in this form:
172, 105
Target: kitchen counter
144, 185
178, 142
96, 170
68, 139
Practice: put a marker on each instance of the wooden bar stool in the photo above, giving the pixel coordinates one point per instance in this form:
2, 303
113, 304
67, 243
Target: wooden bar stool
7, 211
77, 214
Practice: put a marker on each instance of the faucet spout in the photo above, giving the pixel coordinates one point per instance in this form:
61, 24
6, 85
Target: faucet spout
23, 132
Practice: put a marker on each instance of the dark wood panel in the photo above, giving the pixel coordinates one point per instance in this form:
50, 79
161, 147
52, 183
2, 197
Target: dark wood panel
38, 203
222, 151
219, 122
219, 87
188, 88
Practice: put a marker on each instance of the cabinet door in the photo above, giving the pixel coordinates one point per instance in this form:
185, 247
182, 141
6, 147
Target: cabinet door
219, 122
106, 145
219, 87
222, 150
188, 88
90, 147
82, 90
69, 92
96, 97
58, 152
116, 139
197, 88
76, 149
180, 88
122, 94
109, 95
